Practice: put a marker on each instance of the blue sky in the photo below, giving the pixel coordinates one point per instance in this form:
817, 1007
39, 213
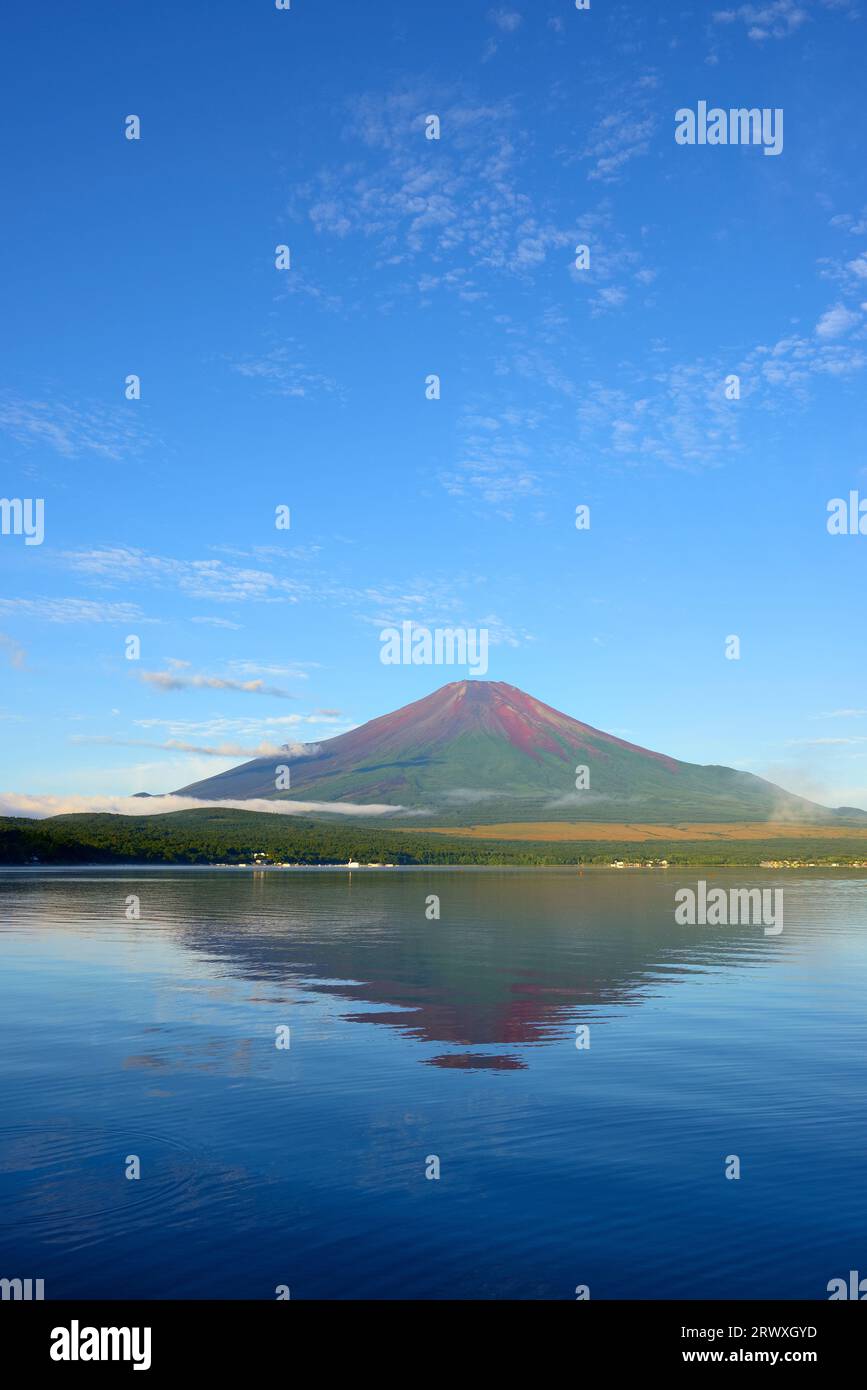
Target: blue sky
306, 387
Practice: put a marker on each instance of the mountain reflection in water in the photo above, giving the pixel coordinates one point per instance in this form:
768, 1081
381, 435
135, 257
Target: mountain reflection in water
409, 1038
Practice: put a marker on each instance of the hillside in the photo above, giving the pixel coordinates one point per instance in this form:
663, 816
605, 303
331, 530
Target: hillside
484, 751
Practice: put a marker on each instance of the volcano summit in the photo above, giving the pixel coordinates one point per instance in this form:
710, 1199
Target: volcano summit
484, 751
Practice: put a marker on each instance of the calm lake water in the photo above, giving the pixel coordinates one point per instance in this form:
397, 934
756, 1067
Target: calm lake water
411, 1038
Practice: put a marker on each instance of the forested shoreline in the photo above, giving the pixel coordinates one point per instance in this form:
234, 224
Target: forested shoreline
222, 836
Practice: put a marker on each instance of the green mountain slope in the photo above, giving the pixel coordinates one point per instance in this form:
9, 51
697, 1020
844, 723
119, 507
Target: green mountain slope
483, 751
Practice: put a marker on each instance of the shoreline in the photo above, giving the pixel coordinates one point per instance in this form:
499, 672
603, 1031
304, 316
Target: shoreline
251, 842
577, 867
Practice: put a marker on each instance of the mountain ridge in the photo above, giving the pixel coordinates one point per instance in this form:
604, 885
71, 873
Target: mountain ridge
489, 747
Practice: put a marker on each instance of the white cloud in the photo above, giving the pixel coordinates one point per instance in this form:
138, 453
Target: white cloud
220, 750
836, 322
676, 416
73, 610
855, 226
38, 807
255, 668
15, 654
620, 136
497, 461
72, 430
285, 375
174, 679
457, 206
199, 579
247, 727
827, 742
775, 19
507, 20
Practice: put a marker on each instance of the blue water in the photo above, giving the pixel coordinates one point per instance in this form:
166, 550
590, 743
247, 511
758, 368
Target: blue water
413, 1038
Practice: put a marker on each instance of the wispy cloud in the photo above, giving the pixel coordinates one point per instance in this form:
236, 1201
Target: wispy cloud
291, 672
73, 610
457, 204
246, 727
219, 750
176, 679
676, 415
497, 460
620, 136
285, 374
828, 742
837, 322
218, 622
854, 224
509, 21
38, 807
389, 607
790, 364
429, 599
199, 579
73, 430
775, 19
15, 654
778, 19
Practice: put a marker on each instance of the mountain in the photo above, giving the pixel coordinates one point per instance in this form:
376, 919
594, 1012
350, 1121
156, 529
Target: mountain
483, 751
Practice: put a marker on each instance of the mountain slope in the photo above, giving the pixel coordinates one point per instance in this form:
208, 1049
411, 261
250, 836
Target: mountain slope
485, 751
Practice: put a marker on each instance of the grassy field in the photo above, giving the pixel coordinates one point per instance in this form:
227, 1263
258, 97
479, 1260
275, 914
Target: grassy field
604, 832
225, 836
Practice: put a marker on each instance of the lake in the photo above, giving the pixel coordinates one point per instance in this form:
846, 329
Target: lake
416, 1043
